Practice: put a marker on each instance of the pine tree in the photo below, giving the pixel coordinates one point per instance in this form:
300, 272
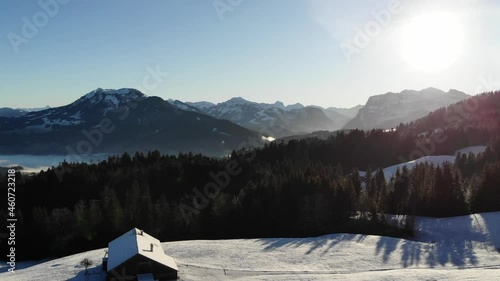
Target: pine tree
113, 212
132, 197
356, 182
487, 198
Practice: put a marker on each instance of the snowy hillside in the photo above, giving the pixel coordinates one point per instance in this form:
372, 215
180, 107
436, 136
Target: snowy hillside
432, 159
458, 248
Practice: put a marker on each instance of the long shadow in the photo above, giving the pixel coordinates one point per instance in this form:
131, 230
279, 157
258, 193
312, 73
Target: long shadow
94, 274
456, 247
276, 243
443, 243
388, 245
411, 253
431, 255
333, 240
22, 265
439, 242
344, 238
492, 225
457, 252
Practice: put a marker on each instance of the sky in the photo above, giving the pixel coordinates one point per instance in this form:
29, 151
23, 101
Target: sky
310, 51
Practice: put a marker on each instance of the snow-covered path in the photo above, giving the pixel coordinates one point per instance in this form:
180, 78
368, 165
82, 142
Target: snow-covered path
458, 248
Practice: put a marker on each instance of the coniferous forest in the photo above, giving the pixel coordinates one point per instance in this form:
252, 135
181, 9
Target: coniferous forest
297, 188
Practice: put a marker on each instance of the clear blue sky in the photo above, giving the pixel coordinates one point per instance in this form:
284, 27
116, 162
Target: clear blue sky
261, 50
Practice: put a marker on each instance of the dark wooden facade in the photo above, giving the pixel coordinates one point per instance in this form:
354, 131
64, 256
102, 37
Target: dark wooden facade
141, 265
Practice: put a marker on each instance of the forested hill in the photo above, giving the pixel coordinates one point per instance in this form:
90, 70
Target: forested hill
282, 190
481, 112
299, 188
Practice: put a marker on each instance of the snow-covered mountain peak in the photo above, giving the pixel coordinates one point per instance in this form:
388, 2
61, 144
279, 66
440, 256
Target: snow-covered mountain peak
120, 92
182, 105
279, 104
294, 106
111, 96
236, 101
201, 104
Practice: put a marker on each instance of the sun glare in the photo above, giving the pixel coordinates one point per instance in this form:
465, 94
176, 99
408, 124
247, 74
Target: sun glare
432, 42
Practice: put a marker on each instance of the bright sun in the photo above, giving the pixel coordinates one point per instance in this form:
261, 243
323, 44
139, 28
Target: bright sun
432, 42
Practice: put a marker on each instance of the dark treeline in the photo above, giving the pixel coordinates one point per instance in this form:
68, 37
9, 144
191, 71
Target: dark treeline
481, 112
299, 188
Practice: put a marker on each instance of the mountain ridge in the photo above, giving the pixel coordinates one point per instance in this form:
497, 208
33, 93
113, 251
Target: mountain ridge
115, 121
275, 119
388, 110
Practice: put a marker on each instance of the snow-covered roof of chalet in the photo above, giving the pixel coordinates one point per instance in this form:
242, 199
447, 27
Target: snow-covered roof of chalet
136, 242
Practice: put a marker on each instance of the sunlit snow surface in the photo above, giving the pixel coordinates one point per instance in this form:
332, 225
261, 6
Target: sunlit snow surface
458, 248
433, 159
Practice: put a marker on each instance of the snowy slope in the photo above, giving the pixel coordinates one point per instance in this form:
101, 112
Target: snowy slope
458, 248
433, 159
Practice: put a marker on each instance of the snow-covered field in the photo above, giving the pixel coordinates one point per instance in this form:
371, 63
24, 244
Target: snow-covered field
458, 248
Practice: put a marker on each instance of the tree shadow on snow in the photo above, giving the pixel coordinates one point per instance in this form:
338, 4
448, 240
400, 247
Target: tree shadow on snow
492, 225
94, 274
439, 245
439, 242
325, 242
387, 245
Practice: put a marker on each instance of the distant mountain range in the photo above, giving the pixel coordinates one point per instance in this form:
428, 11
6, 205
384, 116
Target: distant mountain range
276, 120
475, 114
16, 112
11, 112
382, 111
115, 121
146, 123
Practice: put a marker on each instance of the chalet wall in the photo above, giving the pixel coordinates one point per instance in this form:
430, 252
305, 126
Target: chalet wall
141, 265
